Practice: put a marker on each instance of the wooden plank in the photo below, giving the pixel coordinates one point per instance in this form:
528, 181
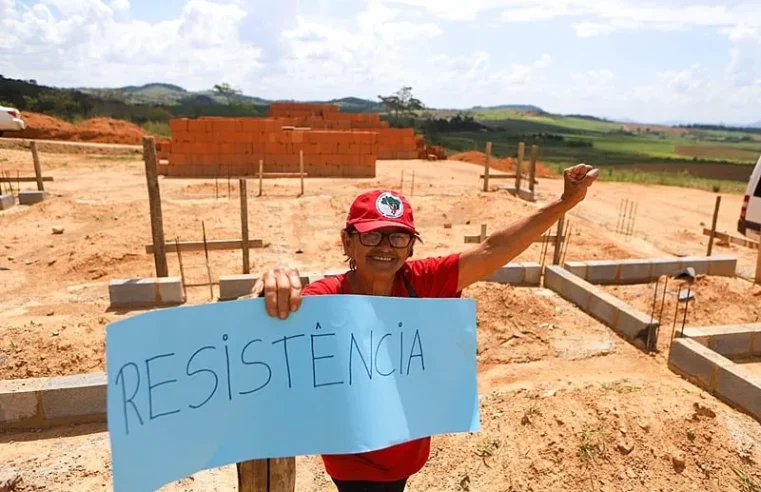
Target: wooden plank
267, 475
723, 236
519, 165
758, 267
532, 170
713, 225
558, 241
503, 176
37, 168
24, 179
244, 223
214, 245
270, 175
475, 239
154, 198
485, 176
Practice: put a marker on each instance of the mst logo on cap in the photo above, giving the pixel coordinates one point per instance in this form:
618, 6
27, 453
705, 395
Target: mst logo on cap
389, 206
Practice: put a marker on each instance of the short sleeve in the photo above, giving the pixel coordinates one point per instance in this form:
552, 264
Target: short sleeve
435, 276
322, 287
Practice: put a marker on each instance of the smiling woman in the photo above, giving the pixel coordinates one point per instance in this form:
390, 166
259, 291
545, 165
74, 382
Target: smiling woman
378, 240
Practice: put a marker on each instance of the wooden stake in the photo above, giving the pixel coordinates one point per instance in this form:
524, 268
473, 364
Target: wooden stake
532, 169
261, 175
154, 199
758, 265
713, 225
301, 170
208, 268
518, 166
267, 475
558, 241
483, 233
37, 168
179, 259
244, 222
487, 164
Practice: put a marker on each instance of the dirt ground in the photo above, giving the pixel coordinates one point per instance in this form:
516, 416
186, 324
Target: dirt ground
715, 301
566, 404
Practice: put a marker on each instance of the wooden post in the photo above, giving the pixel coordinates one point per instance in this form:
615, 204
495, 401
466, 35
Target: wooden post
532, 169
558, 241
301, 170
261, 175
179, 260
519, 165
154, 199
267, 475
713, 225
244, 222
758, 265
483, 233
37, 168
487, 164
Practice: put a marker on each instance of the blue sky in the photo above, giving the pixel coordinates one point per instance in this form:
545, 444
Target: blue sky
686, 60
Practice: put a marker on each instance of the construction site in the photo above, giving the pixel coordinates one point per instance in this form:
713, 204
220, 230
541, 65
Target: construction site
619, 352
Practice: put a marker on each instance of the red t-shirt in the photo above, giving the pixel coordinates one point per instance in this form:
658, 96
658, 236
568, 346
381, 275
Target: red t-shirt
429, 277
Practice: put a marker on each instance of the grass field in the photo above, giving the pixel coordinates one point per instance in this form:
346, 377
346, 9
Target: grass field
698, 158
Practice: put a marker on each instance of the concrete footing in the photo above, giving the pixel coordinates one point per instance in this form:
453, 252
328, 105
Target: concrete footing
715, 373
604, 307
6, 202
146, 291
729, 340
30, 197
47, 402
522, 194
518, 274
646, 270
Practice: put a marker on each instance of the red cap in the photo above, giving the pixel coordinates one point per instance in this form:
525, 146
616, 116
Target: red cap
380, 208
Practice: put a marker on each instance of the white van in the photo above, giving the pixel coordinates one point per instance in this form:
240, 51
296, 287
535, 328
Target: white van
749, 224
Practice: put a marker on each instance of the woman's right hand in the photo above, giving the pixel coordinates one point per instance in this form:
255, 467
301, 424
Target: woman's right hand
281, 287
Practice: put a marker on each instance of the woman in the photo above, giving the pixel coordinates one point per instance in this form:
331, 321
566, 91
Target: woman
378, 241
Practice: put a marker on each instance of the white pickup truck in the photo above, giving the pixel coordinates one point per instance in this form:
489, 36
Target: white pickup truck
10, 120
749, 224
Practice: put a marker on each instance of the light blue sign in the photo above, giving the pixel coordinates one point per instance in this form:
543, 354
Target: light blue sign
198, 387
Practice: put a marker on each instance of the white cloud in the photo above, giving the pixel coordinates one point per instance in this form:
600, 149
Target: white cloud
60, 40
593, 17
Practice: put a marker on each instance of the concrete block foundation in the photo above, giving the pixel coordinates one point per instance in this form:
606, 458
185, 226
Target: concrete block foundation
146, 291
48, 402
606, 308
6, 202
234, 286
646, 270
729, 340
715, 373
31, 197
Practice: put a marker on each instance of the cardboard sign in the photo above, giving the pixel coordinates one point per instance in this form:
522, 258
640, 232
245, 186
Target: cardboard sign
198, 387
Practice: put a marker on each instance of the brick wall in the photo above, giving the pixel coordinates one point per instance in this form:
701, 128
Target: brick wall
218, 146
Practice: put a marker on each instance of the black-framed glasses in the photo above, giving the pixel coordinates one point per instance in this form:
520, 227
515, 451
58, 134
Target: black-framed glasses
395, 239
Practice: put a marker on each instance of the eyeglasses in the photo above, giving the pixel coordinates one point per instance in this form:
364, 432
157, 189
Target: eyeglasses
395, 239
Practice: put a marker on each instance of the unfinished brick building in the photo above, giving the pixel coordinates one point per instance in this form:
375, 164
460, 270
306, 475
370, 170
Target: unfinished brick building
334, 144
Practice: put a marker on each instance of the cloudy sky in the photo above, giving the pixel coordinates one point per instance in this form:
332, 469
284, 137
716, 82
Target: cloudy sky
689, 60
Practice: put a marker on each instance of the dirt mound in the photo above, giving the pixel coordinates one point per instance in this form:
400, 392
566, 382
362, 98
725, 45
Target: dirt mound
44, 127
108, 130
100, 130
507, 165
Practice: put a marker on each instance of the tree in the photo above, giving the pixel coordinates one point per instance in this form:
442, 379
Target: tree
402, 103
